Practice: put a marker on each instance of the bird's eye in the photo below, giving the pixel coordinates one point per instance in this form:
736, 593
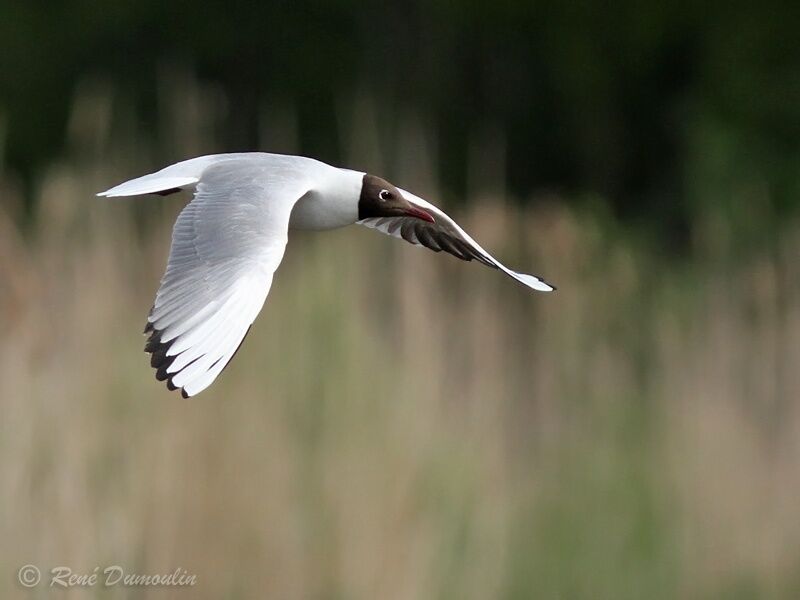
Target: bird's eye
385, 195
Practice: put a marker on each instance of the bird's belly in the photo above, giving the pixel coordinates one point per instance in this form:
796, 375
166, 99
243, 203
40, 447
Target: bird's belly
314, 212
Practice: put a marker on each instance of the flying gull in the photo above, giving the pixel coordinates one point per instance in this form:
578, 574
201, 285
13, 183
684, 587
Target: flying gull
229, 240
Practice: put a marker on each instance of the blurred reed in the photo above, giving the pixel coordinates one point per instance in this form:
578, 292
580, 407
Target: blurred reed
399, 424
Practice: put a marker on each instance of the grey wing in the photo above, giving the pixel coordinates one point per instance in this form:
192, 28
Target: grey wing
226, 245
445, 235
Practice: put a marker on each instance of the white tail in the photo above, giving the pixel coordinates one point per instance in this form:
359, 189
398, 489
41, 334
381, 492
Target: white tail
183, 174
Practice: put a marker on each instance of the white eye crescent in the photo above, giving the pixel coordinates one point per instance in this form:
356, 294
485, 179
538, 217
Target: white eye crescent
385, 195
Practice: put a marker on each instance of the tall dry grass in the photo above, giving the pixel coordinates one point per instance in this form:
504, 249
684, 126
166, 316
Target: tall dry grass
398, 424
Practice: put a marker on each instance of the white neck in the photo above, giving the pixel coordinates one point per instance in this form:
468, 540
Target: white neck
332, 203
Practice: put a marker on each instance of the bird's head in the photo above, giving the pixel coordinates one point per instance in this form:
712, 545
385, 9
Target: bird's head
379, 198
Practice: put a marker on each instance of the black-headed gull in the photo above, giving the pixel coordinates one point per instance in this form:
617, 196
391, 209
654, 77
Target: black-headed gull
229, 240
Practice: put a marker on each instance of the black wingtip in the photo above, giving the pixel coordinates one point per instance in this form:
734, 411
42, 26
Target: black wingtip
159, 359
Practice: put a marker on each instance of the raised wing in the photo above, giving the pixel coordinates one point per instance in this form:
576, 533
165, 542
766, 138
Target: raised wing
226, 245
445, 235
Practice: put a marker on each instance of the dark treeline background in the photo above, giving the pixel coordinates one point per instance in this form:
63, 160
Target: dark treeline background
661, 109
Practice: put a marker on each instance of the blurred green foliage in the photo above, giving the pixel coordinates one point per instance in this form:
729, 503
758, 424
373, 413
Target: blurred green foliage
664, 109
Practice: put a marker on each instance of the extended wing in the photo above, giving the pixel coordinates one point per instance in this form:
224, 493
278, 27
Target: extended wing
226, 245
445, 235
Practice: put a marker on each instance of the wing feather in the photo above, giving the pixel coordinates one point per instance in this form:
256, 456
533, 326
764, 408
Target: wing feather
226, 245
445, 235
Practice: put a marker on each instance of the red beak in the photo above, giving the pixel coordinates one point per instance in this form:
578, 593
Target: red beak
418, 213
